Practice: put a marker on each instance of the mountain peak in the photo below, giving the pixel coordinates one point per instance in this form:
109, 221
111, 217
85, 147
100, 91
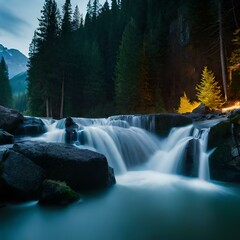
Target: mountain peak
2, 48
16, 61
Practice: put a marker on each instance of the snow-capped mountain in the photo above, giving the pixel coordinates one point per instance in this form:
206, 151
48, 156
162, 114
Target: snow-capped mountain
16, 61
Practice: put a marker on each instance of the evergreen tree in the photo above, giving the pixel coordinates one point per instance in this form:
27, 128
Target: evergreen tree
67, 19
5, 89
20, 102
76, 23
65, 56
36, 103
95, 10
145, 87
234, 67
235, 56
43, 67
127, 69
208, 91
94, 88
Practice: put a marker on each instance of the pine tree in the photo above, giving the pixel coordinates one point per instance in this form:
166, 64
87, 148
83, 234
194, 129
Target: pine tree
127, 70
145, 87
67, 19
65, 58
76, 22
235, 56
94, 88
43, 77
95, 10
208, 90
5, 89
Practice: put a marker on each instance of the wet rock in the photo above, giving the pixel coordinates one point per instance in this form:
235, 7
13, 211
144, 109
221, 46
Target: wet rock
31, 127
191, 159
196, 117
202, 109
221, 165
220, 134
165, 122
81, 169
21, 175
5, 137
9, 119
71, 129
57, 193
234, 116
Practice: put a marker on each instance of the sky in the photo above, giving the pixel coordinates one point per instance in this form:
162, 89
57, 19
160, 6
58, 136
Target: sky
19, 20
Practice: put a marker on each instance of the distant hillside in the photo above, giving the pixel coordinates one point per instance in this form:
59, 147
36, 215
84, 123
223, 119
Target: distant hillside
18, 83
16, 61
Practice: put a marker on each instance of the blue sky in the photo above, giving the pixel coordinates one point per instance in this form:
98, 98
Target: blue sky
19, 19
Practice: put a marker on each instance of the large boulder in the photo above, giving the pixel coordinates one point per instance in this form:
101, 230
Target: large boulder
220, 134
31, 127
165, 122
21, 175
234, 116
81, 169
221, 165
5, 137
57, 193
9, 119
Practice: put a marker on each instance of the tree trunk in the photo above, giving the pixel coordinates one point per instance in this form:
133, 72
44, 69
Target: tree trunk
47, 107
62, 98
50, 109
222, 55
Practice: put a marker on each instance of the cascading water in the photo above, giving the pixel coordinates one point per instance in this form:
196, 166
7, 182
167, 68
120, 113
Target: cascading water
168, 158
156, 203
203, 172
128, 146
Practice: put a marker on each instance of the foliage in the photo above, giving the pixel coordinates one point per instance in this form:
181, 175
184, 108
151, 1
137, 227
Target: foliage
185, 105
236, 40
76, 22
18, 83
208, 91
43, 66
235, 56
20, 102
119, 59
127, 70
5, 89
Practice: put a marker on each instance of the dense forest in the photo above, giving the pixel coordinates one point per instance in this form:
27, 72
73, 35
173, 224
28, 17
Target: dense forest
130, 56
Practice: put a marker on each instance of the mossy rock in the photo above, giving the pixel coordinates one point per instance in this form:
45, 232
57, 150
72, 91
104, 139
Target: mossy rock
219, 165
57, 193
220, 134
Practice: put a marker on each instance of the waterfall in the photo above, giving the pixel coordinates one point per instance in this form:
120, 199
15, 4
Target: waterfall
168, 158
127, 144
203, 172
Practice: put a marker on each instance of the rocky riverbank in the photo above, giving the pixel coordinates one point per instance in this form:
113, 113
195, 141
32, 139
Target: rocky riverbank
27, 166
55, 173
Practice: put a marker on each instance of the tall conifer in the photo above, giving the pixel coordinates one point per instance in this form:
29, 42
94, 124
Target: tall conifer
5, 89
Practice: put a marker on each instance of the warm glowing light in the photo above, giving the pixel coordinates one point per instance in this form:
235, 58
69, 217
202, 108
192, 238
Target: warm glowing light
233, 107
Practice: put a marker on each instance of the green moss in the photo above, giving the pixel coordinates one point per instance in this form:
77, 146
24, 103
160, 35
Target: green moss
57, 193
